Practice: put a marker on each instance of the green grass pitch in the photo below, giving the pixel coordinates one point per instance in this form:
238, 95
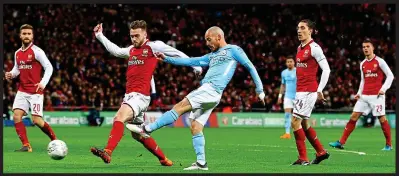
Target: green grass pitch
228, 150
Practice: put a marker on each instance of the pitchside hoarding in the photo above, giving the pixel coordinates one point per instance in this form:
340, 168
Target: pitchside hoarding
216, 120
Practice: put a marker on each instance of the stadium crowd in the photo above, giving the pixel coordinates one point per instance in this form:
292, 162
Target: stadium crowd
84, 72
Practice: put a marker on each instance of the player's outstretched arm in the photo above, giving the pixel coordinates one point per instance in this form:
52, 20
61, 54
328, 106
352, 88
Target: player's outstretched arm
194, 61
159, 46
242, 58
44, 61
111, 47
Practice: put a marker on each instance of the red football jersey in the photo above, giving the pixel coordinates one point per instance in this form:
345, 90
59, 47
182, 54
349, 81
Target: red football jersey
141, 62
307, 59
372, 75
141, 65
28, 65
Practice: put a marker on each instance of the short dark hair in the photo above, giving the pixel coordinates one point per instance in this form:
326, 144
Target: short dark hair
26, 26
368, 41
311, 25
309, 22
138, 24
290, 57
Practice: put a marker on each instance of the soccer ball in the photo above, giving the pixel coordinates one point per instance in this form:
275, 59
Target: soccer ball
57, 149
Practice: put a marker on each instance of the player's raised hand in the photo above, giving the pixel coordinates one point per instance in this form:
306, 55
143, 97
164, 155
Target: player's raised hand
357, 97
8, 75
320, 97
261, 97
98, 28
160, 56
40, 87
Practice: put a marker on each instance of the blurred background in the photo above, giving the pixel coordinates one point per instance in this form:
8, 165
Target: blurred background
85, 75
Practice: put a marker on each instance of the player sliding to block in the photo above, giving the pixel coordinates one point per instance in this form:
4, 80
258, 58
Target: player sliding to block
288, 87
141, 65
371, 95
30, 61
309, 57
222, 62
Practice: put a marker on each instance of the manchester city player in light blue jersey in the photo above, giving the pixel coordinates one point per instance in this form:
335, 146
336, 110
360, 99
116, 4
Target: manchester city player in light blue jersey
288, 87
222, 62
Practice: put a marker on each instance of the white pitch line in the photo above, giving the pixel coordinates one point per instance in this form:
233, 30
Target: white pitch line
350, 151
277, 146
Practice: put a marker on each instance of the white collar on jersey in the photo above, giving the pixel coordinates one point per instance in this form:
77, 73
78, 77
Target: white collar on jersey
31, 43
371, 59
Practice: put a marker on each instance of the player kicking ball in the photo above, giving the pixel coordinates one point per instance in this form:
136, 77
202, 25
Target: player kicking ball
222, 62
141, 65
371, 95
288, 87
30, 61
309, 57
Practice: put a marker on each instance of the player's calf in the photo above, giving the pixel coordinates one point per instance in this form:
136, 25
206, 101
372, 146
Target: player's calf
350, 126
150, 144
386, 129
44, 126
21, 131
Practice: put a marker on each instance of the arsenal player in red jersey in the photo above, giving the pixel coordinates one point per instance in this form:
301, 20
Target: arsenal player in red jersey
309, 57
371, 95
141, 65
30, 61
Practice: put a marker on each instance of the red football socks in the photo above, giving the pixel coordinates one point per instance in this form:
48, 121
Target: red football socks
300, 144
150, 144
312, 137
350, 126
115, 136
48, 131
21, 131
386, 129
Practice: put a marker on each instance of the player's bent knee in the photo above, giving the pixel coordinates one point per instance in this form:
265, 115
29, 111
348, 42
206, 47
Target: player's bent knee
124, 114
182, 107
38, 121
296, 122
17, 118
355, 116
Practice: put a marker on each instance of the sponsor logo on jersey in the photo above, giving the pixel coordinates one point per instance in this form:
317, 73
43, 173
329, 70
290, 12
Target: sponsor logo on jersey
306, 54
301, 64
136, 62
217, 59
22, 67
370, 74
